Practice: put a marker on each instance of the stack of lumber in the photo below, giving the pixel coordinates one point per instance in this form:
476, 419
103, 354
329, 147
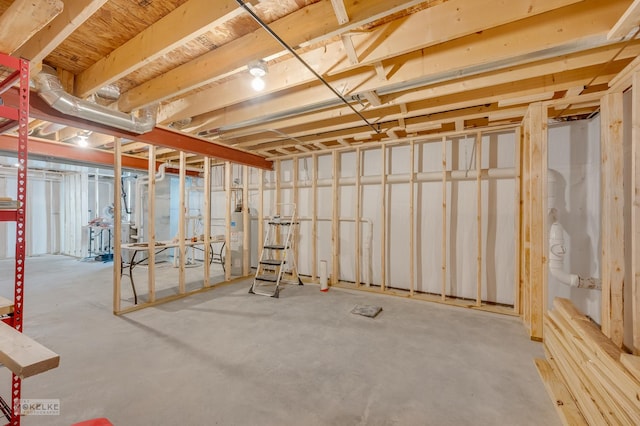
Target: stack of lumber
589, 378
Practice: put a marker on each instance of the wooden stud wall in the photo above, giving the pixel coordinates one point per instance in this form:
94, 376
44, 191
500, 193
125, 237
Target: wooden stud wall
151, 223
181, 224
207, 219
635, 213
336, 182
182, 292
612, 216
117, 223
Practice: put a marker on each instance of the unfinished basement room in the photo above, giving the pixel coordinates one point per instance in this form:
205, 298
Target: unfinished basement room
320, 212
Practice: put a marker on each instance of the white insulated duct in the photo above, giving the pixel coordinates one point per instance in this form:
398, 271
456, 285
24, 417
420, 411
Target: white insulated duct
51, 91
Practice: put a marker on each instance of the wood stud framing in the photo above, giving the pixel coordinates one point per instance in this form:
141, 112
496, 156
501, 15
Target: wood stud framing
443, 267
358, 214
612, 216
181, 224
478, 143
533, 240
335, 220
151, 223
117, 223
635, 212
207, 219
411, 218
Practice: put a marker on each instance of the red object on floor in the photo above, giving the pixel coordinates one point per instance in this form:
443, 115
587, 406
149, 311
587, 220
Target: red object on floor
94, 422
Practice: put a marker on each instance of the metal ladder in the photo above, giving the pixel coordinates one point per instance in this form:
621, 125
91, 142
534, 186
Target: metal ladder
277, 258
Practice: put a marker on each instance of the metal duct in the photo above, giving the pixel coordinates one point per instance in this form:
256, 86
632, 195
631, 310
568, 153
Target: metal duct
51, 91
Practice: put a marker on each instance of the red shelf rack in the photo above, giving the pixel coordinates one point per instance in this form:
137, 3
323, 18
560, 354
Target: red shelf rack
17, 115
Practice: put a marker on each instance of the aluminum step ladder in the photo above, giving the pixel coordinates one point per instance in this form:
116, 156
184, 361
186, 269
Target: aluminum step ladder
277, 263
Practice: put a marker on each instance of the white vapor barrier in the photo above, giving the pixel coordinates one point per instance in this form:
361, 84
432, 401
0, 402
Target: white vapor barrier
574, 163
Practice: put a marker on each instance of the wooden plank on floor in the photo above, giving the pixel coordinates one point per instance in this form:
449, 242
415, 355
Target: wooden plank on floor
632, 364
24, 356
562, 399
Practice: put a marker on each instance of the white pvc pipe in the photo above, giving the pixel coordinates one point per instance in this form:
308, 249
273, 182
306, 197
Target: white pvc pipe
324, 284
496, 173
557, 252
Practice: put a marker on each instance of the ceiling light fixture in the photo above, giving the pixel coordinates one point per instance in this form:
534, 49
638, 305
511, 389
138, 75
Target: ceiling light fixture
82, 141
82, 138
258, 69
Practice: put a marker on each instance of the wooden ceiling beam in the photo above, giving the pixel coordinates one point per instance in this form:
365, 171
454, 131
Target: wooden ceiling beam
629, 20
520, 40
186, 22
74, 14
447, 21
326, 122
281, 104
24, 18
312, 23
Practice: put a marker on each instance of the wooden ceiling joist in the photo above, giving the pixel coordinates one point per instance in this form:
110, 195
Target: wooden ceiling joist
627, 22
75, 13
520, 40
23, 19
580, 62
314, 22
190, 20
447, 21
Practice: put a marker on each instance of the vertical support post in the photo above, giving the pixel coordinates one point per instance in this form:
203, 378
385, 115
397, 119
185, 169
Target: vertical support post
227, 220
260, 209
479, 218
314, 219
525, 270
411, 218
538, 277
117, 223
246, 222
207, 221
294, 197
181, 223
635, 212
383, 217
278, 194
335, 220
517, 219
443, 292
151, 223
358, 214
612, 216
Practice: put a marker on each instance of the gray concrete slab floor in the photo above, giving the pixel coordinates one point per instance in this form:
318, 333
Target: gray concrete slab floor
225, 357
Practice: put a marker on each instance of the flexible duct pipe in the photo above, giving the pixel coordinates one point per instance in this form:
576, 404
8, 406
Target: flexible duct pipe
51, 91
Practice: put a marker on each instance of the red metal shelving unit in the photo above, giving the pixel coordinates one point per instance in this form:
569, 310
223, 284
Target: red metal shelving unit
18, 70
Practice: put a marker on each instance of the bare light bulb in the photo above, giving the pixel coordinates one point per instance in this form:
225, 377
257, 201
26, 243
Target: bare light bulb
258, 84
82, 141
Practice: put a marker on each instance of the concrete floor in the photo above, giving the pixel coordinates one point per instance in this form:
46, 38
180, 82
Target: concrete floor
225, 357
